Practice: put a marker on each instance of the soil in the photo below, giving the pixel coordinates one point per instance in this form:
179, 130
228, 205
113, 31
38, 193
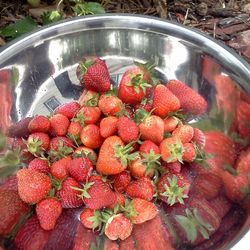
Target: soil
225, 20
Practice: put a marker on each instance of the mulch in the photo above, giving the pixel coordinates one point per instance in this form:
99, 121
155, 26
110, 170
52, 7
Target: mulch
225, 20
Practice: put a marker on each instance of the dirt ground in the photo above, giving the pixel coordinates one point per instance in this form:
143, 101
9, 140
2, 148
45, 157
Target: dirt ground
225, 20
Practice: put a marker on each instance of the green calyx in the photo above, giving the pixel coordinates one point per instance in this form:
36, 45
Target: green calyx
34, 146
92, 102
80, 118
61, 152
2, 141
123, 153
173, 192
128, 209
84, 190
138, 83
85, 64
176, 151
193, 223
201, 157
96, 220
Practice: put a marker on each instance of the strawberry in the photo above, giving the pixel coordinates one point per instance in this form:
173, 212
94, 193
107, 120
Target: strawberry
86, 152
48, 211
12, 209
170, 124
91, 218
74, 130
147, 146
60, 141
88, 115
110, 245
152, 128
39, 165
118, 227
89, 98
90, 136
110, 105
9, 183
39, 123
133, 86
138, 168
93, 74
174, 167
80, 168
191, 101
171, 150
199, 138
59, 169
164, 101
173, 188
121, 181
20, 128
140, 210
59, 125
31, 236
69, 109
242, 165
113, 156
234, 186
108, 126
184, 132
33, 186
37, 143
243, 118
221, 205
20, 147
189, 153
127, 129
145, 104
120, 200
207, 185
141, 188
69, 197
96, 194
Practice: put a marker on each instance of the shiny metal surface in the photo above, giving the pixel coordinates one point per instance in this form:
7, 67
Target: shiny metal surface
41, 66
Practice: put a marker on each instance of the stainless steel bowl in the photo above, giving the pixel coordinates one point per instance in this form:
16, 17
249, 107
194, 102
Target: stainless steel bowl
41, 66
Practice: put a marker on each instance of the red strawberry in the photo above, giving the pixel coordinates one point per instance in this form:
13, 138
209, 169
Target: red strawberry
120, 200
141, 188
80, 168
173, 188
60, 141
147, 146
20, 128
37, 143
31, 236
164, 101
184, 132
33, 186
93, 74
48, 211
74, 130
145, 104
91, 137
152, 128
59, 169
221, 205
121, 181
199, 138
59, 125
97, 194
133, 86
20, 147
69, 109
69, 197
108, 126
140, 210
243, 118
170, 124
191, 101
39, 123
39, 165
9, 183
174, 167
110, 105
127, 129
138, 168
110, 245
207, 185
86, 152
234, 186
242, 165
118, 227
171, 150
88, 115
12, 209
91, 218
189, 153
114, 156
89, 98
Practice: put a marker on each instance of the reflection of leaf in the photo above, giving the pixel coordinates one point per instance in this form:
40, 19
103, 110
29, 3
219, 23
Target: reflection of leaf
51, 17
14, 76
19, 28
82, 9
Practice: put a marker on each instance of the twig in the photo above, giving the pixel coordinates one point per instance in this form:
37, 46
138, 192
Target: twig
214, 29
186, 15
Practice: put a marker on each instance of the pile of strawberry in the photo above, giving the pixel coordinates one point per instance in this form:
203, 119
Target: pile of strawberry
119, 153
